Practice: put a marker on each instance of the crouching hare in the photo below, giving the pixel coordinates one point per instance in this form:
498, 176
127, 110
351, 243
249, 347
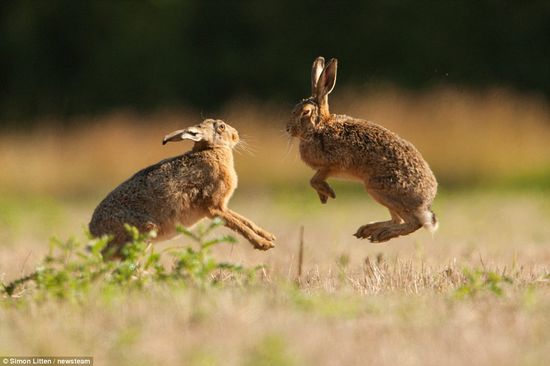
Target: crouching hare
392, 170
179, 190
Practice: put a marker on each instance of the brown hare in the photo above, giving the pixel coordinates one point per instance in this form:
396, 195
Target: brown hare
179, 190
392, 170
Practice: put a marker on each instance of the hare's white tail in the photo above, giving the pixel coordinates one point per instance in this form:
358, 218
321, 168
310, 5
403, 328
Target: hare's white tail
428, 220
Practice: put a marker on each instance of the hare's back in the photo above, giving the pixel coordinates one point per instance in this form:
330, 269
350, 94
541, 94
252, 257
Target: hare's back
381, 154
373, 142
158, 190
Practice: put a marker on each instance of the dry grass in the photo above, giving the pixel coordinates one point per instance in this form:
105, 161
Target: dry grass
356, 303
248, 326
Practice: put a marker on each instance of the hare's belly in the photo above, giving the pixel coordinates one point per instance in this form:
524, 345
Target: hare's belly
169, 222
347, 175
190, 217
339, 167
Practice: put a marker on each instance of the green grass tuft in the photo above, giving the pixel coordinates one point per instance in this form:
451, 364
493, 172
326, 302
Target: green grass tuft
72, 268
477, 282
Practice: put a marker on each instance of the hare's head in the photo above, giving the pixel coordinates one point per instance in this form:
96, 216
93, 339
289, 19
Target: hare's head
312, 111
209, 133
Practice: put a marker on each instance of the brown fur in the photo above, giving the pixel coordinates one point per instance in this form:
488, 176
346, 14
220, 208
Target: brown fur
180, 190
391, 168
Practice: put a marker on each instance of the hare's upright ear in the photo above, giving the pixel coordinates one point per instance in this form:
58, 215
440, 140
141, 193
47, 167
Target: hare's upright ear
327, 80
316, 70
191, 133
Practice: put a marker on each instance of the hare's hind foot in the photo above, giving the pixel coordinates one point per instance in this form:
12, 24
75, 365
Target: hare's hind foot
379, 232
392, 231
113, 251
365, 231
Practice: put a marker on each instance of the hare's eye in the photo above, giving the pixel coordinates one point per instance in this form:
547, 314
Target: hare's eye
221, 127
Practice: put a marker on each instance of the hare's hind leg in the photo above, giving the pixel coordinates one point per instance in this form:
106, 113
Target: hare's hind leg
121, 237
321, 186
393, 230
379, 232
403, 221
367, 230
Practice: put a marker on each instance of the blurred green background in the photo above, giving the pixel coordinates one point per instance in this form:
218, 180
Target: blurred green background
88, 88
66, 58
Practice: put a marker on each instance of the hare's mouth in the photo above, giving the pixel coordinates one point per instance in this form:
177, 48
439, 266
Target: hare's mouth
292, 132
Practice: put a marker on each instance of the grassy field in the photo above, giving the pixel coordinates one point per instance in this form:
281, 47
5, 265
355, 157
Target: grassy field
475, 293
355, 303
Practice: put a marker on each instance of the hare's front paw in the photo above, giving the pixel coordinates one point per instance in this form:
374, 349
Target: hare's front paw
262, 244
264, 234
325, 191
268, 236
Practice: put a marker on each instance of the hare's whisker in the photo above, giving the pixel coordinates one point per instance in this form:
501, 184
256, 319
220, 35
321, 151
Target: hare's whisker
245, 144
289, 144
244, 147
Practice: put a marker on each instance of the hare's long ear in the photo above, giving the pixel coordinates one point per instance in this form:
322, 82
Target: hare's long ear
316, 70
327, 80
191, 133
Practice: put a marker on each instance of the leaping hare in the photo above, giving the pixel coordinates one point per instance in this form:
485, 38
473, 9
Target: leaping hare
180, 190
392, 170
